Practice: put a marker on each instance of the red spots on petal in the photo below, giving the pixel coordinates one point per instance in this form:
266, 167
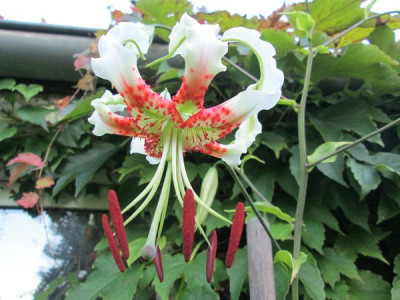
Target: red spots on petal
133, 69
191, 70
236, 234
188, 222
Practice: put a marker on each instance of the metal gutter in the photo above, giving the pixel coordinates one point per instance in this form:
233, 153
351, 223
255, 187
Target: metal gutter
34, 51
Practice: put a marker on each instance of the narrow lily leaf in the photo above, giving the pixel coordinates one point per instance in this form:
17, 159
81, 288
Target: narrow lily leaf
323, 150
270, 209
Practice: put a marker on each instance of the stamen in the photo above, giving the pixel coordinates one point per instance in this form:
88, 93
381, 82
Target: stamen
158, 264
211, 254
112, 243
188, 221
118, 223
236, 234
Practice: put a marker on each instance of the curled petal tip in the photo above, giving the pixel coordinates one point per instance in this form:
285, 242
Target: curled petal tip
236, 234
211, 254
188, 222
158, 264
118, 223
112, 243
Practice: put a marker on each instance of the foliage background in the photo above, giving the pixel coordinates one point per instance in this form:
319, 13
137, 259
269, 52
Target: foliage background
351, 219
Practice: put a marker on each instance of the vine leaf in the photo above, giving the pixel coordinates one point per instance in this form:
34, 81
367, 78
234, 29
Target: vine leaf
367, 176
28, 91
325, 149
370, 287
396, 281
105, 280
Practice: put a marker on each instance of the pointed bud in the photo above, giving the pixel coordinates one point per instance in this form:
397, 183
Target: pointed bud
236, 234
211, 254
158, 264
148, 252
112, 243
188, 222
118, 222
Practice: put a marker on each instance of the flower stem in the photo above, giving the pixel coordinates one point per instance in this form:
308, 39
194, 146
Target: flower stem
360, 140
301, 199
251, 202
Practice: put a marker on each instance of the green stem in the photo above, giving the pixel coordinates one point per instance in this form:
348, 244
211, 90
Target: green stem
251, 202
251, 185
357, 25
360, 140
239, 68
301, 199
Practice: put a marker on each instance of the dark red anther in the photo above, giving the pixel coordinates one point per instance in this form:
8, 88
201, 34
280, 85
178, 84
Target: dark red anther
118, 223
236, 234
158, 264
112, 243
211, 254
188, 222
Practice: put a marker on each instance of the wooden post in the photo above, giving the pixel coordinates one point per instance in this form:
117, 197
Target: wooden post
261, 266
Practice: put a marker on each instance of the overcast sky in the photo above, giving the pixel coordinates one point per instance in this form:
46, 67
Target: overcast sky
95, 13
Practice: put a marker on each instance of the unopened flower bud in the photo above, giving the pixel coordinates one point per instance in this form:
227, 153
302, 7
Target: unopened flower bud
209, 188
148, 252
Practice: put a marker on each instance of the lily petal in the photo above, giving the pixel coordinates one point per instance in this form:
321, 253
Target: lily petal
202, 52
271, 77
216, 122
105, 120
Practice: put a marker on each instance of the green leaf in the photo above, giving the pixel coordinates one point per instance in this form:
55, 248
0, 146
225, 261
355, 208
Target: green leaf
334, 170
283, 41
390, 160
135, 249
271, 209
311, 278
238, 273
165, 12
28, 91
198, 292
176, 266
396, 281
132, 163
6, 133
301, 21
79, 109
335, 16
321, 214
366, 176
85, 165
384, 37
366, 62
226, 20
323, 150
285, 257
340, 291
370, 287
70, 136
7, 84
282, 281
281, 231
332, 265
361, 242
274, 141
350, 115
294, 163
314, 235
34, 115
105, 280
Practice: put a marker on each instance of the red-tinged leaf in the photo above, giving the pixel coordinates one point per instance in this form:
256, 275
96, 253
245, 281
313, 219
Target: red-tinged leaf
118, 222
63, 102
158, 264
16, 173
44, 182
236, 234
211, 254
112, 243
28, 158
28, 200
188, 222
